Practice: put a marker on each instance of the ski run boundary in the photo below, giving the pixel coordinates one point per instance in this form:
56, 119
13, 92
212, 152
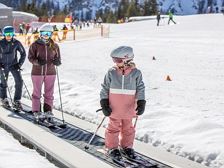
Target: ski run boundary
64, 154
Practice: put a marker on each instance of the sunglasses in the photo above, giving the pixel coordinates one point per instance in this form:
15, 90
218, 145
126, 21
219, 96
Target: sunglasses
45, 33
11, 34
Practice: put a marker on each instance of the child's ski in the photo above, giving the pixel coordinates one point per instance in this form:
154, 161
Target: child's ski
119, 162
141, 161
124, 163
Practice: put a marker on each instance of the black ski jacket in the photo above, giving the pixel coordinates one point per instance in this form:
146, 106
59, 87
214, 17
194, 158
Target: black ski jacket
8, 53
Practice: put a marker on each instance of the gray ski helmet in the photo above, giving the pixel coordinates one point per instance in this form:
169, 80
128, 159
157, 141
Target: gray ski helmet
46, 28
123, 52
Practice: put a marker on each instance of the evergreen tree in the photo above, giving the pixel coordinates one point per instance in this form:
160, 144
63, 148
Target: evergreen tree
111, 18
146, 8
65, 11
48, 4
201, 5
210, 4
122, 9
33, 6
138, 7
82, 15
23, 6
132, 11
99, 13
88, 15
44, 10
56, 9
153, 7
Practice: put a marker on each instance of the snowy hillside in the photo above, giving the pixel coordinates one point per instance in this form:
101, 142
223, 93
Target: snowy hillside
185, 115
181, 7
89, 7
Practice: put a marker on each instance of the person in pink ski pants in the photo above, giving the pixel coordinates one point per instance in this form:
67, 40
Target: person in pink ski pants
122, 98
44, 54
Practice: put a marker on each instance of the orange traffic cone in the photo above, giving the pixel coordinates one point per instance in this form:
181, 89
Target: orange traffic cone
168, 78
153, 58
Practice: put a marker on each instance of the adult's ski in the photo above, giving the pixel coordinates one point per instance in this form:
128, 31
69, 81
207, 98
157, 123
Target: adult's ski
29, 116
45, 124
10, 108
57, 123
54, 121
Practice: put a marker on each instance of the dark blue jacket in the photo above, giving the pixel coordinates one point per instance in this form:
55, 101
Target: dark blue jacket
8, 53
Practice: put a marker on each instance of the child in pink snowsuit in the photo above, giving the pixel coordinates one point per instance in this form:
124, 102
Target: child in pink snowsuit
122, 98
44, 54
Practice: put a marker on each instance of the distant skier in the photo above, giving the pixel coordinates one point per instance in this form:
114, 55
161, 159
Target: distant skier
122, 87
55, 34
209, 9
21, 30
171, 18
65, 31
99, 21
87, 23
27, 28
94, 21
9, 62
35, 34
158, 17
222, 10
217, 9
44, 54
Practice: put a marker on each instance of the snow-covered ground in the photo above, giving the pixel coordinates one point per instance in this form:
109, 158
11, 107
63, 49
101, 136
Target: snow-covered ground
13, 155
185, 115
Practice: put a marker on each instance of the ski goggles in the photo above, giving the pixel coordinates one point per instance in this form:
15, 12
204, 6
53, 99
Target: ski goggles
11, 34
46, 33
120, 60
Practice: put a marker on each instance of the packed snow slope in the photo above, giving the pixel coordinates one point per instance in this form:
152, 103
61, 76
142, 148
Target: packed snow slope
185, 115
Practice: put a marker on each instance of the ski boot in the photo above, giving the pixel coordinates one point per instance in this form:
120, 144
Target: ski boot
38, 117
115, 154
128, 152
49, 116
17, 105
5, 103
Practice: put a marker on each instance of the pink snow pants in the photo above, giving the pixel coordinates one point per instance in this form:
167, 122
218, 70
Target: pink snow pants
38, 81
122, 127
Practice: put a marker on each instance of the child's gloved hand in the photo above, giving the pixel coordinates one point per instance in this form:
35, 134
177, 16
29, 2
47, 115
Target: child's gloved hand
105, 107
140, 107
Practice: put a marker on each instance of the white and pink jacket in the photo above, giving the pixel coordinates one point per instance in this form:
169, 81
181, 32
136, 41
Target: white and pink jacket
123, 87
